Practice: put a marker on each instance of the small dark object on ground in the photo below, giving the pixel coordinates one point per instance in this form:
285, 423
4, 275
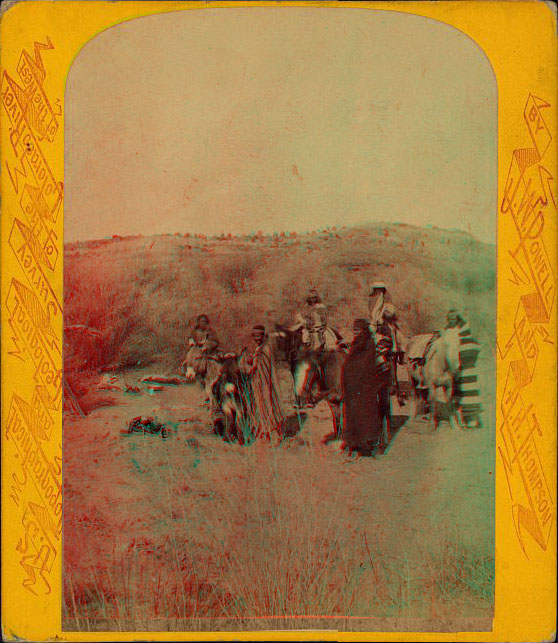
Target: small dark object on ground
147, 424
193, 443
153, 388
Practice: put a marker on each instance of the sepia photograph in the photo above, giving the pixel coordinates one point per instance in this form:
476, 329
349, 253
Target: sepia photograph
279, 312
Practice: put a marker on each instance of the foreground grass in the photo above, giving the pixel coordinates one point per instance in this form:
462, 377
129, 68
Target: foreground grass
276, 540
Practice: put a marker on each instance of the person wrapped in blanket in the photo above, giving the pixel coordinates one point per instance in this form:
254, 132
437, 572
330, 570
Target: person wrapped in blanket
265, 413
467, 391
362, 430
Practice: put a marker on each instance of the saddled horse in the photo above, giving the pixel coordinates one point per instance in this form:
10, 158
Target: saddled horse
441, 367
315, 374
416, 349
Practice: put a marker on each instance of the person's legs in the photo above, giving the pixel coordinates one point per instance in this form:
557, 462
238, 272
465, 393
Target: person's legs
384, 404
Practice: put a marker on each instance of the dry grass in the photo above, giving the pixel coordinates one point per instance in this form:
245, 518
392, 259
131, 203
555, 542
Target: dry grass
271, 541
207, 536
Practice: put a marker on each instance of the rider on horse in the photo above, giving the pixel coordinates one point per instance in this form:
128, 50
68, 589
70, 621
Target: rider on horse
318, 341
312, 320
202, 344
204, 339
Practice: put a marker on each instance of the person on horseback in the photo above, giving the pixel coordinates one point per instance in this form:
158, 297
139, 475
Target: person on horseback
312, 320
387, 380
377, 300
204, 338
388, 329
390, 321
202, 344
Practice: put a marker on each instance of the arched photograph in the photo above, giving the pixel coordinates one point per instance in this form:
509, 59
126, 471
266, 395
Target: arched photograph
279, 324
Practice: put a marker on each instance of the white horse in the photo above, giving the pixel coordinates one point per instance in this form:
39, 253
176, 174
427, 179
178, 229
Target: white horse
441, 366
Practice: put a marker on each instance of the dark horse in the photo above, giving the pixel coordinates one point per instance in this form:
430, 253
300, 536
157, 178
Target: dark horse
230, 395
316, 374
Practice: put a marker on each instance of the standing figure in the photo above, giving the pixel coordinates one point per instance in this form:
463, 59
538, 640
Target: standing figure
466, 384
266, 414
387, 380
361, 418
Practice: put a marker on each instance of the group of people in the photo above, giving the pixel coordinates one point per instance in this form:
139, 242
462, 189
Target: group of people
369, 374
265, 410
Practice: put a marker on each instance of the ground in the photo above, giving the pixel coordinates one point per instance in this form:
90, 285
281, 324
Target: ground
190, 533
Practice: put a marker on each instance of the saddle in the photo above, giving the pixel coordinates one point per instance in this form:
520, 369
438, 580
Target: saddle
333, 340
419, 346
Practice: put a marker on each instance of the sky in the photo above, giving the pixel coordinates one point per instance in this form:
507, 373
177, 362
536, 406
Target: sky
279, 118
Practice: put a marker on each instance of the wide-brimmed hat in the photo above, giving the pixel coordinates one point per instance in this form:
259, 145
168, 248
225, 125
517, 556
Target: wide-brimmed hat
378, 285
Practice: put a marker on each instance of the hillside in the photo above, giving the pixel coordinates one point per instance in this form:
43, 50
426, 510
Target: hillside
138, 295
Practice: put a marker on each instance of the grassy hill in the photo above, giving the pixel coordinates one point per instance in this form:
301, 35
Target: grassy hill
142, 293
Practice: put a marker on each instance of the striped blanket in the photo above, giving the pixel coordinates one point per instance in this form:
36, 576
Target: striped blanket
467, 385
385, 367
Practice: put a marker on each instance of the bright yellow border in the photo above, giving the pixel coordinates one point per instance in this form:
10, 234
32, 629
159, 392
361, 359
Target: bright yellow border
519, 39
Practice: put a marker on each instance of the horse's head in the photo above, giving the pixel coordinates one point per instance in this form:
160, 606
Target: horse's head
287, 342
228, 377
227, 361
232, 364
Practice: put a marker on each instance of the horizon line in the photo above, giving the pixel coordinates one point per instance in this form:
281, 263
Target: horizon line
223, 235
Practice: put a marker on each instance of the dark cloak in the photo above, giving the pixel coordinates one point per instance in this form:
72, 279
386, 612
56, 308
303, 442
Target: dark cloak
361, 419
